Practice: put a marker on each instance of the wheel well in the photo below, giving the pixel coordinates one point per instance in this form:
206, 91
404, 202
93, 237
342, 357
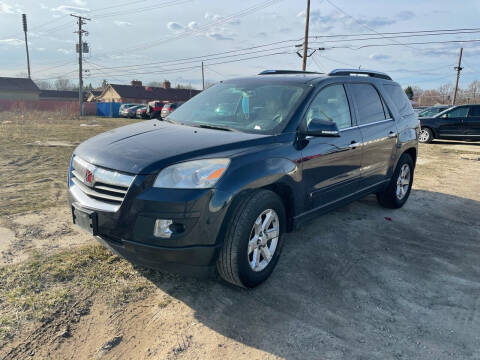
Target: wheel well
413, 153
285, 194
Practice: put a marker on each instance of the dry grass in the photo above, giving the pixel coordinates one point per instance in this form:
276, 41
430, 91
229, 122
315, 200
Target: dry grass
35, 149
43, 286
33, 177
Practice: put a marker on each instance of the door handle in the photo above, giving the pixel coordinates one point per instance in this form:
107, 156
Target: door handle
392, 134
353, 144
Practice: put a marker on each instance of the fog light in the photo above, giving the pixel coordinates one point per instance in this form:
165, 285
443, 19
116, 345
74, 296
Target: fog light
162, 228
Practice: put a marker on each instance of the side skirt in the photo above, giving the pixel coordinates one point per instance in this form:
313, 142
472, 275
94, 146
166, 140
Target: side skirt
322, 209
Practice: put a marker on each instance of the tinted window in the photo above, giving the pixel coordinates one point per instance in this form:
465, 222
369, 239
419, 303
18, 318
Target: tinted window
370, 108
474, 111
397, 95
458, 112
331, 104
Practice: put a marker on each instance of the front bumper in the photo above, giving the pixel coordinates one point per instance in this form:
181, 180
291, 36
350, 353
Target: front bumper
198, 216
192, 260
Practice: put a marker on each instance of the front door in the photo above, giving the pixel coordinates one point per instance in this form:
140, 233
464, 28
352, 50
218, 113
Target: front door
331, 165
471, 124
451, 122
379, 133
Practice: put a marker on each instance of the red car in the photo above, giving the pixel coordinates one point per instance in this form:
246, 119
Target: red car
154, 109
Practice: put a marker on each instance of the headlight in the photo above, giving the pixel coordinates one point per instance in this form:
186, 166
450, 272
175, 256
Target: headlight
197, 174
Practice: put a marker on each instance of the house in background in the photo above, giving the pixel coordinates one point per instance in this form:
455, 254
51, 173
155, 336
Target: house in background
18, 89
137, 93
92, 95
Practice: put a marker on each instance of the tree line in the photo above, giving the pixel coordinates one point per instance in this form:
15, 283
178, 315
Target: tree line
444, 94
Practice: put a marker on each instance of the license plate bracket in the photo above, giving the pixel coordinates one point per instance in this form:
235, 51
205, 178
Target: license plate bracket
85, 219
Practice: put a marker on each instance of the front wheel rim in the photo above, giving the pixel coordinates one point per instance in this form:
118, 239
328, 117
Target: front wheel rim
263, 240
403, 181
424, 136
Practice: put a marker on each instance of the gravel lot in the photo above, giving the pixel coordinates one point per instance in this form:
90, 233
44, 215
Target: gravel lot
361, 282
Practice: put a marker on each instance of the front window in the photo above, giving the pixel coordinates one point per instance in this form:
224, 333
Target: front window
331, 104
460, 112
243, 106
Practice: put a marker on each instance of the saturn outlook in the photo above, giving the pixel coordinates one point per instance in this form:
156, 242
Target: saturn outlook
215, 185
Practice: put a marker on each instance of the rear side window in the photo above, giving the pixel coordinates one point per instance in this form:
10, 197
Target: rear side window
475, 111
397, 95
369, 104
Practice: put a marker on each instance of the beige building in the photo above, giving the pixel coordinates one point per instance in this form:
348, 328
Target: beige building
137, 93
19, 89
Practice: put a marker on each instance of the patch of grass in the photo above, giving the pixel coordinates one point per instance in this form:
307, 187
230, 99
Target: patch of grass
44, 285
34, 177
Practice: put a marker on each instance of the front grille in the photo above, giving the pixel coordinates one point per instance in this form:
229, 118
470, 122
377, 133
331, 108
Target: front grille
98, 184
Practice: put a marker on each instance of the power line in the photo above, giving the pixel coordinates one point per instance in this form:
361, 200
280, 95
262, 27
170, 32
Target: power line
196, 67
365, 26
398, 36
201, 29
206, 58
410, 43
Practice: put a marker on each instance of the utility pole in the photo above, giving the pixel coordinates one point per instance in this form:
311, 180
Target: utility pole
458, 68
203, 78
24, 21
305, 41
80, 50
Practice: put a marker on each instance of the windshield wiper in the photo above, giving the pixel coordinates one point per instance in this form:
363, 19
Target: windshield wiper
215, 127
170, 121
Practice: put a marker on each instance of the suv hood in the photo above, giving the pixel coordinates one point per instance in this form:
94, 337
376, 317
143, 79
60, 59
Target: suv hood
149, 146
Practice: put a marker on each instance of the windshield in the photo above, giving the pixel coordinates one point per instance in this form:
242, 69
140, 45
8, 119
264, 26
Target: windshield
245, 106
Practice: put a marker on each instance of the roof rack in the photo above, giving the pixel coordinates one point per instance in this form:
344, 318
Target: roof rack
371, 73
273, 72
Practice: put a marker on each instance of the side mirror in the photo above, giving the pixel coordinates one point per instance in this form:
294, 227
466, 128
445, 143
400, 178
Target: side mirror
444, 116
321, 127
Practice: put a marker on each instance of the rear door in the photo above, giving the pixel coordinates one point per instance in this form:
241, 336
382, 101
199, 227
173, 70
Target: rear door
471, 124
450, 124
379, 133
331, 165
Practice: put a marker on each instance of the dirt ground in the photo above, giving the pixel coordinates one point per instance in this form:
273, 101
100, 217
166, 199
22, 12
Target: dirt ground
361, 282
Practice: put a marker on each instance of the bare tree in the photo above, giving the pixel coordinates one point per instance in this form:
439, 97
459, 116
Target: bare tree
445, 91
44, 84
63, 84
474, 89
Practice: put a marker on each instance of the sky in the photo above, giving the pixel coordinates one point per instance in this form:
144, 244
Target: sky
153, 40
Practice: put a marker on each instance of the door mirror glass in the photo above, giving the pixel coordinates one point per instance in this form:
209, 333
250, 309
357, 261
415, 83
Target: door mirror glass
322, 127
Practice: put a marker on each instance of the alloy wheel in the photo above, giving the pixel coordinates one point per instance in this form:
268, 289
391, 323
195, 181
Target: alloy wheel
424, 136
403, 181
263, 240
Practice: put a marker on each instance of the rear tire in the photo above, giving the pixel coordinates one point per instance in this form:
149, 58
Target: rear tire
251, 250
400, 185
425, 136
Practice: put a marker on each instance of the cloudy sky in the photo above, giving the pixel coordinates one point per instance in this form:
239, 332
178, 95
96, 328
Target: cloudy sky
152, 40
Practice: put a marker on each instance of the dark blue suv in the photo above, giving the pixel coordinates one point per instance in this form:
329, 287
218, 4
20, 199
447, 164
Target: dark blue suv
217, 183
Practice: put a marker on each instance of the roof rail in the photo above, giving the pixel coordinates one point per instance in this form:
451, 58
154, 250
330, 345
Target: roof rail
273, 72
371, 73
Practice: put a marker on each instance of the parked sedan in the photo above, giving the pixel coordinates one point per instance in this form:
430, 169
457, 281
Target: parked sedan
457, 123
141, 112
129, 112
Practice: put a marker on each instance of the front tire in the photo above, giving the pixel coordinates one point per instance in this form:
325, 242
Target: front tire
253, 240
425, 136
398, 190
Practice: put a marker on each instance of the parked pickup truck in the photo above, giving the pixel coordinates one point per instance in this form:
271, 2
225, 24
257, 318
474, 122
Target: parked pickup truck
210, 190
